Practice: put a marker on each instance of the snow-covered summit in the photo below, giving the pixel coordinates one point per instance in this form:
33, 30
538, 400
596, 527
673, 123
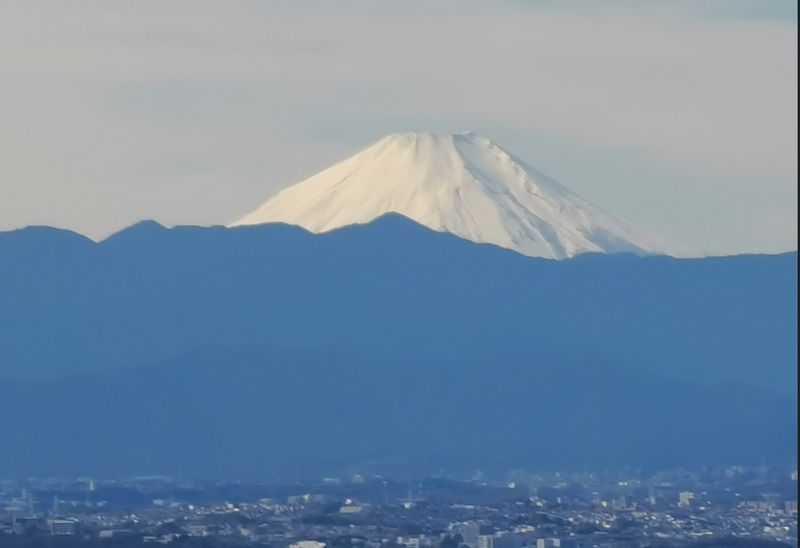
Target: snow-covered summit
463, 184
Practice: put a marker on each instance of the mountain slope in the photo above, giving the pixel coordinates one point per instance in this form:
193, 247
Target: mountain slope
462, 184
388, 286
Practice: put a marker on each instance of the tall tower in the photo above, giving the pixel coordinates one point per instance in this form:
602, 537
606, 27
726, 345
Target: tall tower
89, 491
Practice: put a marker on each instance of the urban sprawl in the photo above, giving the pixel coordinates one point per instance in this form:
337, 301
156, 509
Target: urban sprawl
731, 506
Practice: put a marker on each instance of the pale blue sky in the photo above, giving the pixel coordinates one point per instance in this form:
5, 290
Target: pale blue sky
679, 116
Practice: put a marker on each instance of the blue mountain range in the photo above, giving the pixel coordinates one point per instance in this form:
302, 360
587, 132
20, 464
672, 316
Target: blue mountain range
264, 351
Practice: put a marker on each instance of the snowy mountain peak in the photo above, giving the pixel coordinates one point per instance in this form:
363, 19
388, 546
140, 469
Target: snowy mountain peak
463, 184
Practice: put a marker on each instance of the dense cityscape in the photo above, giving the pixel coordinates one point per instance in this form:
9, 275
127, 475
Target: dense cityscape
732, 506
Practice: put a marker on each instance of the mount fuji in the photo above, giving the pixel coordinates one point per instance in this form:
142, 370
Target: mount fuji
463, 184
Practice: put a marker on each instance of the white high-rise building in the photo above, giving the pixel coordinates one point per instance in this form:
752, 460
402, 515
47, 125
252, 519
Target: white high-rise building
685, 499
499, 540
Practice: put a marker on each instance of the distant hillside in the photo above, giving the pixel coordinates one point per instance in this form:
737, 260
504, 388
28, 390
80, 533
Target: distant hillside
383, 345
